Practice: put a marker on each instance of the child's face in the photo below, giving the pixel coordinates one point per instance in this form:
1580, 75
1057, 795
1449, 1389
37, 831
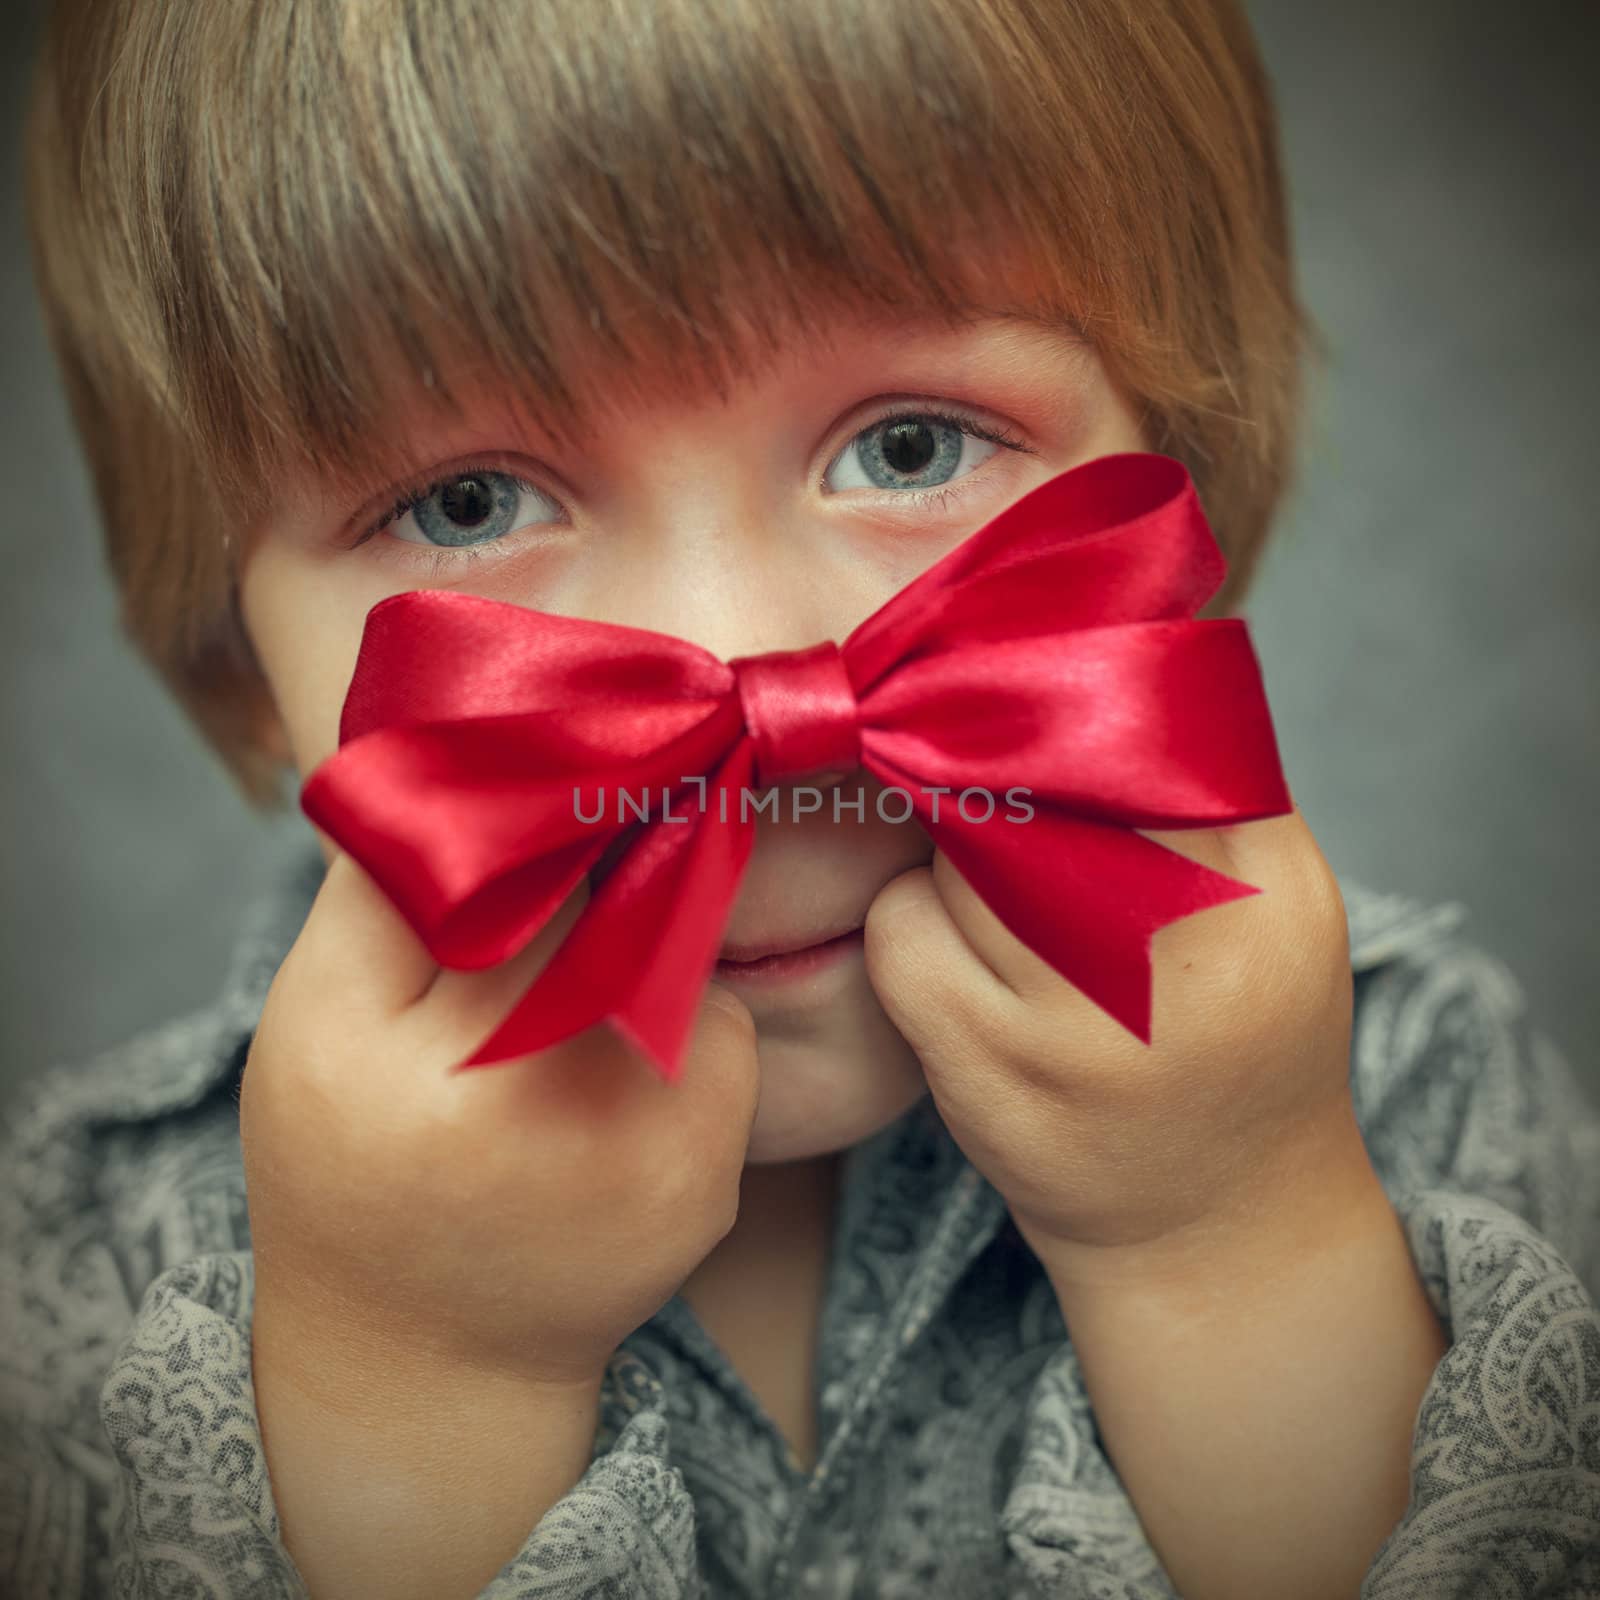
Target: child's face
775, 520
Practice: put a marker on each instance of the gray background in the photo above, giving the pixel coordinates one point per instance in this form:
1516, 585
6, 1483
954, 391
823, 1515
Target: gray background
1425, 621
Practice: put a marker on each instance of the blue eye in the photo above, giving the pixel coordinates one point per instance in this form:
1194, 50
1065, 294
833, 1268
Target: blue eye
468, 506
916, 450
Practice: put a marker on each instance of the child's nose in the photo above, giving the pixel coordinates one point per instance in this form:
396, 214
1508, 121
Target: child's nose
732, 603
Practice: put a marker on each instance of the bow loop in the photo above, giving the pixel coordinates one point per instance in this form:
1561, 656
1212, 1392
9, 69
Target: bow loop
800, 710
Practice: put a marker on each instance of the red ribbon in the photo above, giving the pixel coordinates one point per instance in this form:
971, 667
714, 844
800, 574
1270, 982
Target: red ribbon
1054, 651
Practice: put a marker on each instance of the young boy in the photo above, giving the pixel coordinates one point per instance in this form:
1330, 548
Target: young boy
727, 320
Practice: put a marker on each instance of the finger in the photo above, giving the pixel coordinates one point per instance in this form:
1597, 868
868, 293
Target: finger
1013, 964
598, 1078
1280, 857
355, 944
1253, 852
720, 1090
467, 1006
1259, 853
936, 990
1210, 847
1027, 975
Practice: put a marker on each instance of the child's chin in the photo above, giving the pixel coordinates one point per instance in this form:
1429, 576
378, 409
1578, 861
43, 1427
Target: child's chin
832, 1090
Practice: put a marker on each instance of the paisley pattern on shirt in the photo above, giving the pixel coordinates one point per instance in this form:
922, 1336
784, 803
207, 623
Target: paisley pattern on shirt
958, 1451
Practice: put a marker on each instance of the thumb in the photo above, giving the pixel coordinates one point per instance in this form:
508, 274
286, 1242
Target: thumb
476, 1002
927, 980
719, 1092
355, 943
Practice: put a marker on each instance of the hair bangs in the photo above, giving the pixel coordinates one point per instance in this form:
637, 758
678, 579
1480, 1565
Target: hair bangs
503, 202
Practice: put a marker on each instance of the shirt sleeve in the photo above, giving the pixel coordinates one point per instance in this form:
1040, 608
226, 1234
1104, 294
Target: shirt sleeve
195, 1514
1489, 1149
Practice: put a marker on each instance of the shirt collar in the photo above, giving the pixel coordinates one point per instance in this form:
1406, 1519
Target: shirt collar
176, 1065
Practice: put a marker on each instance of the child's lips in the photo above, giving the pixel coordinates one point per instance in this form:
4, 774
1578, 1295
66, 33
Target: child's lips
776, 960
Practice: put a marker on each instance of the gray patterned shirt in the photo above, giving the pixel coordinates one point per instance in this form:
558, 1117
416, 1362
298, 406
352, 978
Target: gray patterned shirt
959, 1456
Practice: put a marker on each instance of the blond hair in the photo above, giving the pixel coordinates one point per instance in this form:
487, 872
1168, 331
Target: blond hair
245, 220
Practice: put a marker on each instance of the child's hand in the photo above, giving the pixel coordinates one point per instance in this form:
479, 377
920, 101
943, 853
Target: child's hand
1093, 1138
519, 1219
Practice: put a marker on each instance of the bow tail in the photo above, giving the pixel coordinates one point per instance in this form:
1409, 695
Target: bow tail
1084, 896
641, 952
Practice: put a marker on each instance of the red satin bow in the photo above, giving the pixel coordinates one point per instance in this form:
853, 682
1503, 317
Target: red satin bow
1054, 650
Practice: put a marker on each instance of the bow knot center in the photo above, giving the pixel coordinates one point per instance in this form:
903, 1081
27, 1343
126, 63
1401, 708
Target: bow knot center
800, 710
